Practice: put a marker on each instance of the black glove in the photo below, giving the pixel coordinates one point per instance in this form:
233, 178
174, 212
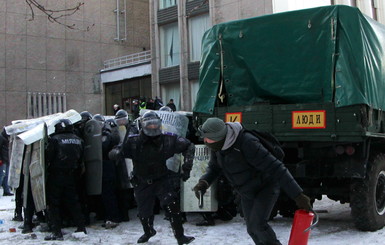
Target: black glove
202, 186
114, 153
185, 176
303, 202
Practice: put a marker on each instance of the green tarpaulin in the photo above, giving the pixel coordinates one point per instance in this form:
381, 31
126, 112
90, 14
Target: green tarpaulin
326, 54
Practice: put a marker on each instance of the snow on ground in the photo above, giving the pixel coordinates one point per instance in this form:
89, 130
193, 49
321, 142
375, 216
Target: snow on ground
335, 227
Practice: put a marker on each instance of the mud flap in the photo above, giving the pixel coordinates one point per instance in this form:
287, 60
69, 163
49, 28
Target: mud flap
93, 157
189, 202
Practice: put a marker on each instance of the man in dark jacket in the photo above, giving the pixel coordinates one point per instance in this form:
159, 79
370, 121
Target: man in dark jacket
253, 171
64, 155
149, 151
4, 157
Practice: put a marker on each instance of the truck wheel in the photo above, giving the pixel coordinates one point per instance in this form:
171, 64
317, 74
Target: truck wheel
367, 197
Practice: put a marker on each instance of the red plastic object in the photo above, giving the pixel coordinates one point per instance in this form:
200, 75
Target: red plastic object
302, 221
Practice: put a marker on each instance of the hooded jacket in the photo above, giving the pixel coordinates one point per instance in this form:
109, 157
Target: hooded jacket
248, 165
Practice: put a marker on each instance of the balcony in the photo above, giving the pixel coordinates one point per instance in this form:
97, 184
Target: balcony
128, 60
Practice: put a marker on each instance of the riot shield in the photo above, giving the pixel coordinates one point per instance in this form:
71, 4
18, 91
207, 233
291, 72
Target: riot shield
36, 176
37, 172
176, 124
93, 157
189, 202
15, 163
125, 167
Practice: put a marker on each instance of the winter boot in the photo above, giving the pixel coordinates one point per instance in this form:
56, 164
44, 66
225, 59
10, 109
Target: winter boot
148, 228
81, 229
54, 236
28, 225
17, 217
27, 228
176, 224
208, 220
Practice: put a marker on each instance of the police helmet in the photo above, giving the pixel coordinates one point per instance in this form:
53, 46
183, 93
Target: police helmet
99, 117
151, 124
165, 108
86, 116
111, 122
63, 126
121, 117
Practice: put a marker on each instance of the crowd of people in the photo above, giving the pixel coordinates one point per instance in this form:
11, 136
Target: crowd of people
148, 187
256, 177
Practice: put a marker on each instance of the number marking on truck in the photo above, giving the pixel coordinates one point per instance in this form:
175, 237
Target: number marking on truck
308, 119
233, 117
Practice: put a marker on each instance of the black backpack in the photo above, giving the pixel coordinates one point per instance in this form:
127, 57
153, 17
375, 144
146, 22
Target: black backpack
269, 142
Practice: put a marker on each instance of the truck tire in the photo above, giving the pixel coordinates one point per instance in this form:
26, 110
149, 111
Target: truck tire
367, 197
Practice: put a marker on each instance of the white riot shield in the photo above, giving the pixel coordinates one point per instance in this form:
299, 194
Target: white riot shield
15, 162
176, 124
189, 202
36, 175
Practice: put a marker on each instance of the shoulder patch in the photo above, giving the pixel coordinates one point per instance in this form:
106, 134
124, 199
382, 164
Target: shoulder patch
182, 139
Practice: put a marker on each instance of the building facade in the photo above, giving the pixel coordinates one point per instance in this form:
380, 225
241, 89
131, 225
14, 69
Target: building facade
177, 27
46, 67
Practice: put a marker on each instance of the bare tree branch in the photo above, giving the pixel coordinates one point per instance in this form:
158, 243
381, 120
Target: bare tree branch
56, 15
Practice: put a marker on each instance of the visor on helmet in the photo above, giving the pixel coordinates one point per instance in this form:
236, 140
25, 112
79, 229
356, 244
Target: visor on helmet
121, 121
152, 127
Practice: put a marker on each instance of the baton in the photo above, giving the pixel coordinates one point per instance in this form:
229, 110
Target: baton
200, 202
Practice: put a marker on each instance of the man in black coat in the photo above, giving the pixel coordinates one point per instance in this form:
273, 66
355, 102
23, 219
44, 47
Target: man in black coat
253, 171
149, 151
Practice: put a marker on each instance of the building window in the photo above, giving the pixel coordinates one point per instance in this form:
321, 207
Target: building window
375, 9
166, 3
194, 87
171, 91
169, 45
197, 27
288, 5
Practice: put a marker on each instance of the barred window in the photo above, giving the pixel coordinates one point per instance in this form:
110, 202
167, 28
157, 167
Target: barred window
42, 104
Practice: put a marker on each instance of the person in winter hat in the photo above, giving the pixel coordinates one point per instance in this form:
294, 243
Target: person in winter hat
254, 172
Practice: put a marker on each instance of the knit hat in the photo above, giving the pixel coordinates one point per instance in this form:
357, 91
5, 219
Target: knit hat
214, 129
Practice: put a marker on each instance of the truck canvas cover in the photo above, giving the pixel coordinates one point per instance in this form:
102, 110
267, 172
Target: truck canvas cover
326, 54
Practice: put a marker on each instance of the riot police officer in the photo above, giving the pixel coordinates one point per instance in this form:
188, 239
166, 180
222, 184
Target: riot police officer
149, 151
79, 126
109, 183
64, 154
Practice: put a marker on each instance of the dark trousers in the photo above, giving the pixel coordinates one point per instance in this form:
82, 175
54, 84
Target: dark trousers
256, 210
147, 192
19, 196
29, 210
61, 189
109, 192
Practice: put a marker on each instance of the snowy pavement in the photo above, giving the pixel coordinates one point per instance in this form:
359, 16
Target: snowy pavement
335, 227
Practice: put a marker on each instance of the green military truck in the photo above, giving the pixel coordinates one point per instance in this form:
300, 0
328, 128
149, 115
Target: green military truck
315, 78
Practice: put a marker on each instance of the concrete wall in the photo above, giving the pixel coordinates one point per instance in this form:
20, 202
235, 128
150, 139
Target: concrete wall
227, 10
40, 56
